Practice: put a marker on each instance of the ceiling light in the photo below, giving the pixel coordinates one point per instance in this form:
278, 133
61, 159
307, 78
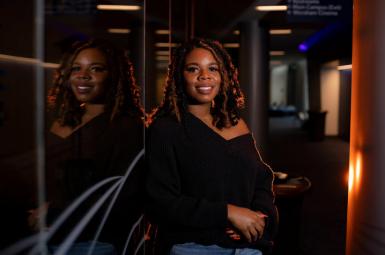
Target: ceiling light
50, 65
236, 32
277, 53
280, 31
112, 7
162, 58
162, 53
119, 30
231, 45
162, 32
166, 44
276, 62
345, 67
267, 8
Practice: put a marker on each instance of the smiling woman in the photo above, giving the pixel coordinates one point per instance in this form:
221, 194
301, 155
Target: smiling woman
208, 189
97, 131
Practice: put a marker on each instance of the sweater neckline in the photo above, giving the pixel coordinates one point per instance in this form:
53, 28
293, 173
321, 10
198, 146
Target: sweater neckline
216, 134
78, 130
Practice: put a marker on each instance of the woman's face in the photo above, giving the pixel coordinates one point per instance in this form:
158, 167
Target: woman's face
202, 76
89, 75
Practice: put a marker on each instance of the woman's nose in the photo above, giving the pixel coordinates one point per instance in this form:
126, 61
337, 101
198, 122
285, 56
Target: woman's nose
83, 75
204, 74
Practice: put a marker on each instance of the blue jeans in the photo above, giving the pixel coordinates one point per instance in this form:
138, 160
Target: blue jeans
198, 249
81, 248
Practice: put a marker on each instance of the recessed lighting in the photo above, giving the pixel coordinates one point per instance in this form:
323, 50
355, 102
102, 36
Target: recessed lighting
162, 53
166, 45
271, 8
50, 65
277, 53
162, 32
231, 45
280, 31
162, 58
345, 67
276, 62
119, 30
113, 7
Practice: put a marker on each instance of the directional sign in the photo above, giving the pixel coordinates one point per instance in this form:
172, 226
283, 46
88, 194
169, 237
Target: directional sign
319, 10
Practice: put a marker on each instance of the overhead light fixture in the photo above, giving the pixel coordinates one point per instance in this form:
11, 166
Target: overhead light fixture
162, 32
271, 8
50, 65
231, 45
280, 31
162, 53
164, 45
276, 62
344, 67
236, 32
277, 53
113, 7
119, 30
162, 58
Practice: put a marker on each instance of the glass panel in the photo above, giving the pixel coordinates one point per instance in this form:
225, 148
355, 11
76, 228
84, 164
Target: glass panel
91, 128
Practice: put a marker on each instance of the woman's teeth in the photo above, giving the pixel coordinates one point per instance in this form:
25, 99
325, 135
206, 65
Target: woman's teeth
204, 89
84, 88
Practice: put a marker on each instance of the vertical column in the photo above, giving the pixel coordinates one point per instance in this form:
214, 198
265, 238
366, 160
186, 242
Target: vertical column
313, 69
254, 78
366, 204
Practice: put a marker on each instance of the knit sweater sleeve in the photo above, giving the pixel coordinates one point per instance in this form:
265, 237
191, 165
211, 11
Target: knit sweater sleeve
167, 203
263, 199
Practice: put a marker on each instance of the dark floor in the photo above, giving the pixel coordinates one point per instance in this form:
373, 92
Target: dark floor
323, 213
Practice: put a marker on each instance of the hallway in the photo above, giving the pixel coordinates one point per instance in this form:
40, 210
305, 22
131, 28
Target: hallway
323, 219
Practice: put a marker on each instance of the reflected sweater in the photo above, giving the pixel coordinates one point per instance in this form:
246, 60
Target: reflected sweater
98, 150
193, 173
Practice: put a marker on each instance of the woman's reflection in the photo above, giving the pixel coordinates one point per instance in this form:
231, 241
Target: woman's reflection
97, 131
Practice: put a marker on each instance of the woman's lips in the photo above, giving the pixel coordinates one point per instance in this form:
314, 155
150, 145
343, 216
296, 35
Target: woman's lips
83, 89
204, 89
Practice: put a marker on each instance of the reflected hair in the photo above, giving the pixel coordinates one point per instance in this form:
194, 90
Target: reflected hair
122, 94
225, 106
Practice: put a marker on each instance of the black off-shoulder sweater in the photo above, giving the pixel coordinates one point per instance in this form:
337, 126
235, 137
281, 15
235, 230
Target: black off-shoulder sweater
193, 173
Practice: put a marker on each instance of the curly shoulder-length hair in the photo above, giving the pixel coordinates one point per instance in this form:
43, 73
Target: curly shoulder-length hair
228, 102
122, 94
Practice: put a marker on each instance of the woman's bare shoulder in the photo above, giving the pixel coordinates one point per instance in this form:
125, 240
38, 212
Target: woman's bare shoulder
232, 132
60, 130
241, 127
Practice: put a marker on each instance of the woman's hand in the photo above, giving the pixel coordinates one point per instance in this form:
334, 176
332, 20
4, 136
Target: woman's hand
35, 214
250, 223
233, 234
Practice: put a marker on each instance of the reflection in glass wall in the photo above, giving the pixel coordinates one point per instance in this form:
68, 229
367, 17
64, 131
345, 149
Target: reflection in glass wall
87, 146
93, 133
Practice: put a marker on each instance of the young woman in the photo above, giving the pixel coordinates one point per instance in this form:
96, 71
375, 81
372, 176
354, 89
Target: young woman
96, 133
209, 190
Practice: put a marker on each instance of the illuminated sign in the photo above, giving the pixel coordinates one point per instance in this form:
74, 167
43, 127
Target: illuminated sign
319, 10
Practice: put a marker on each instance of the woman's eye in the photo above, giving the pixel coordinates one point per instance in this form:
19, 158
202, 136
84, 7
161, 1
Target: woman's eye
75, 68
214, 69
98, 68
191, 69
